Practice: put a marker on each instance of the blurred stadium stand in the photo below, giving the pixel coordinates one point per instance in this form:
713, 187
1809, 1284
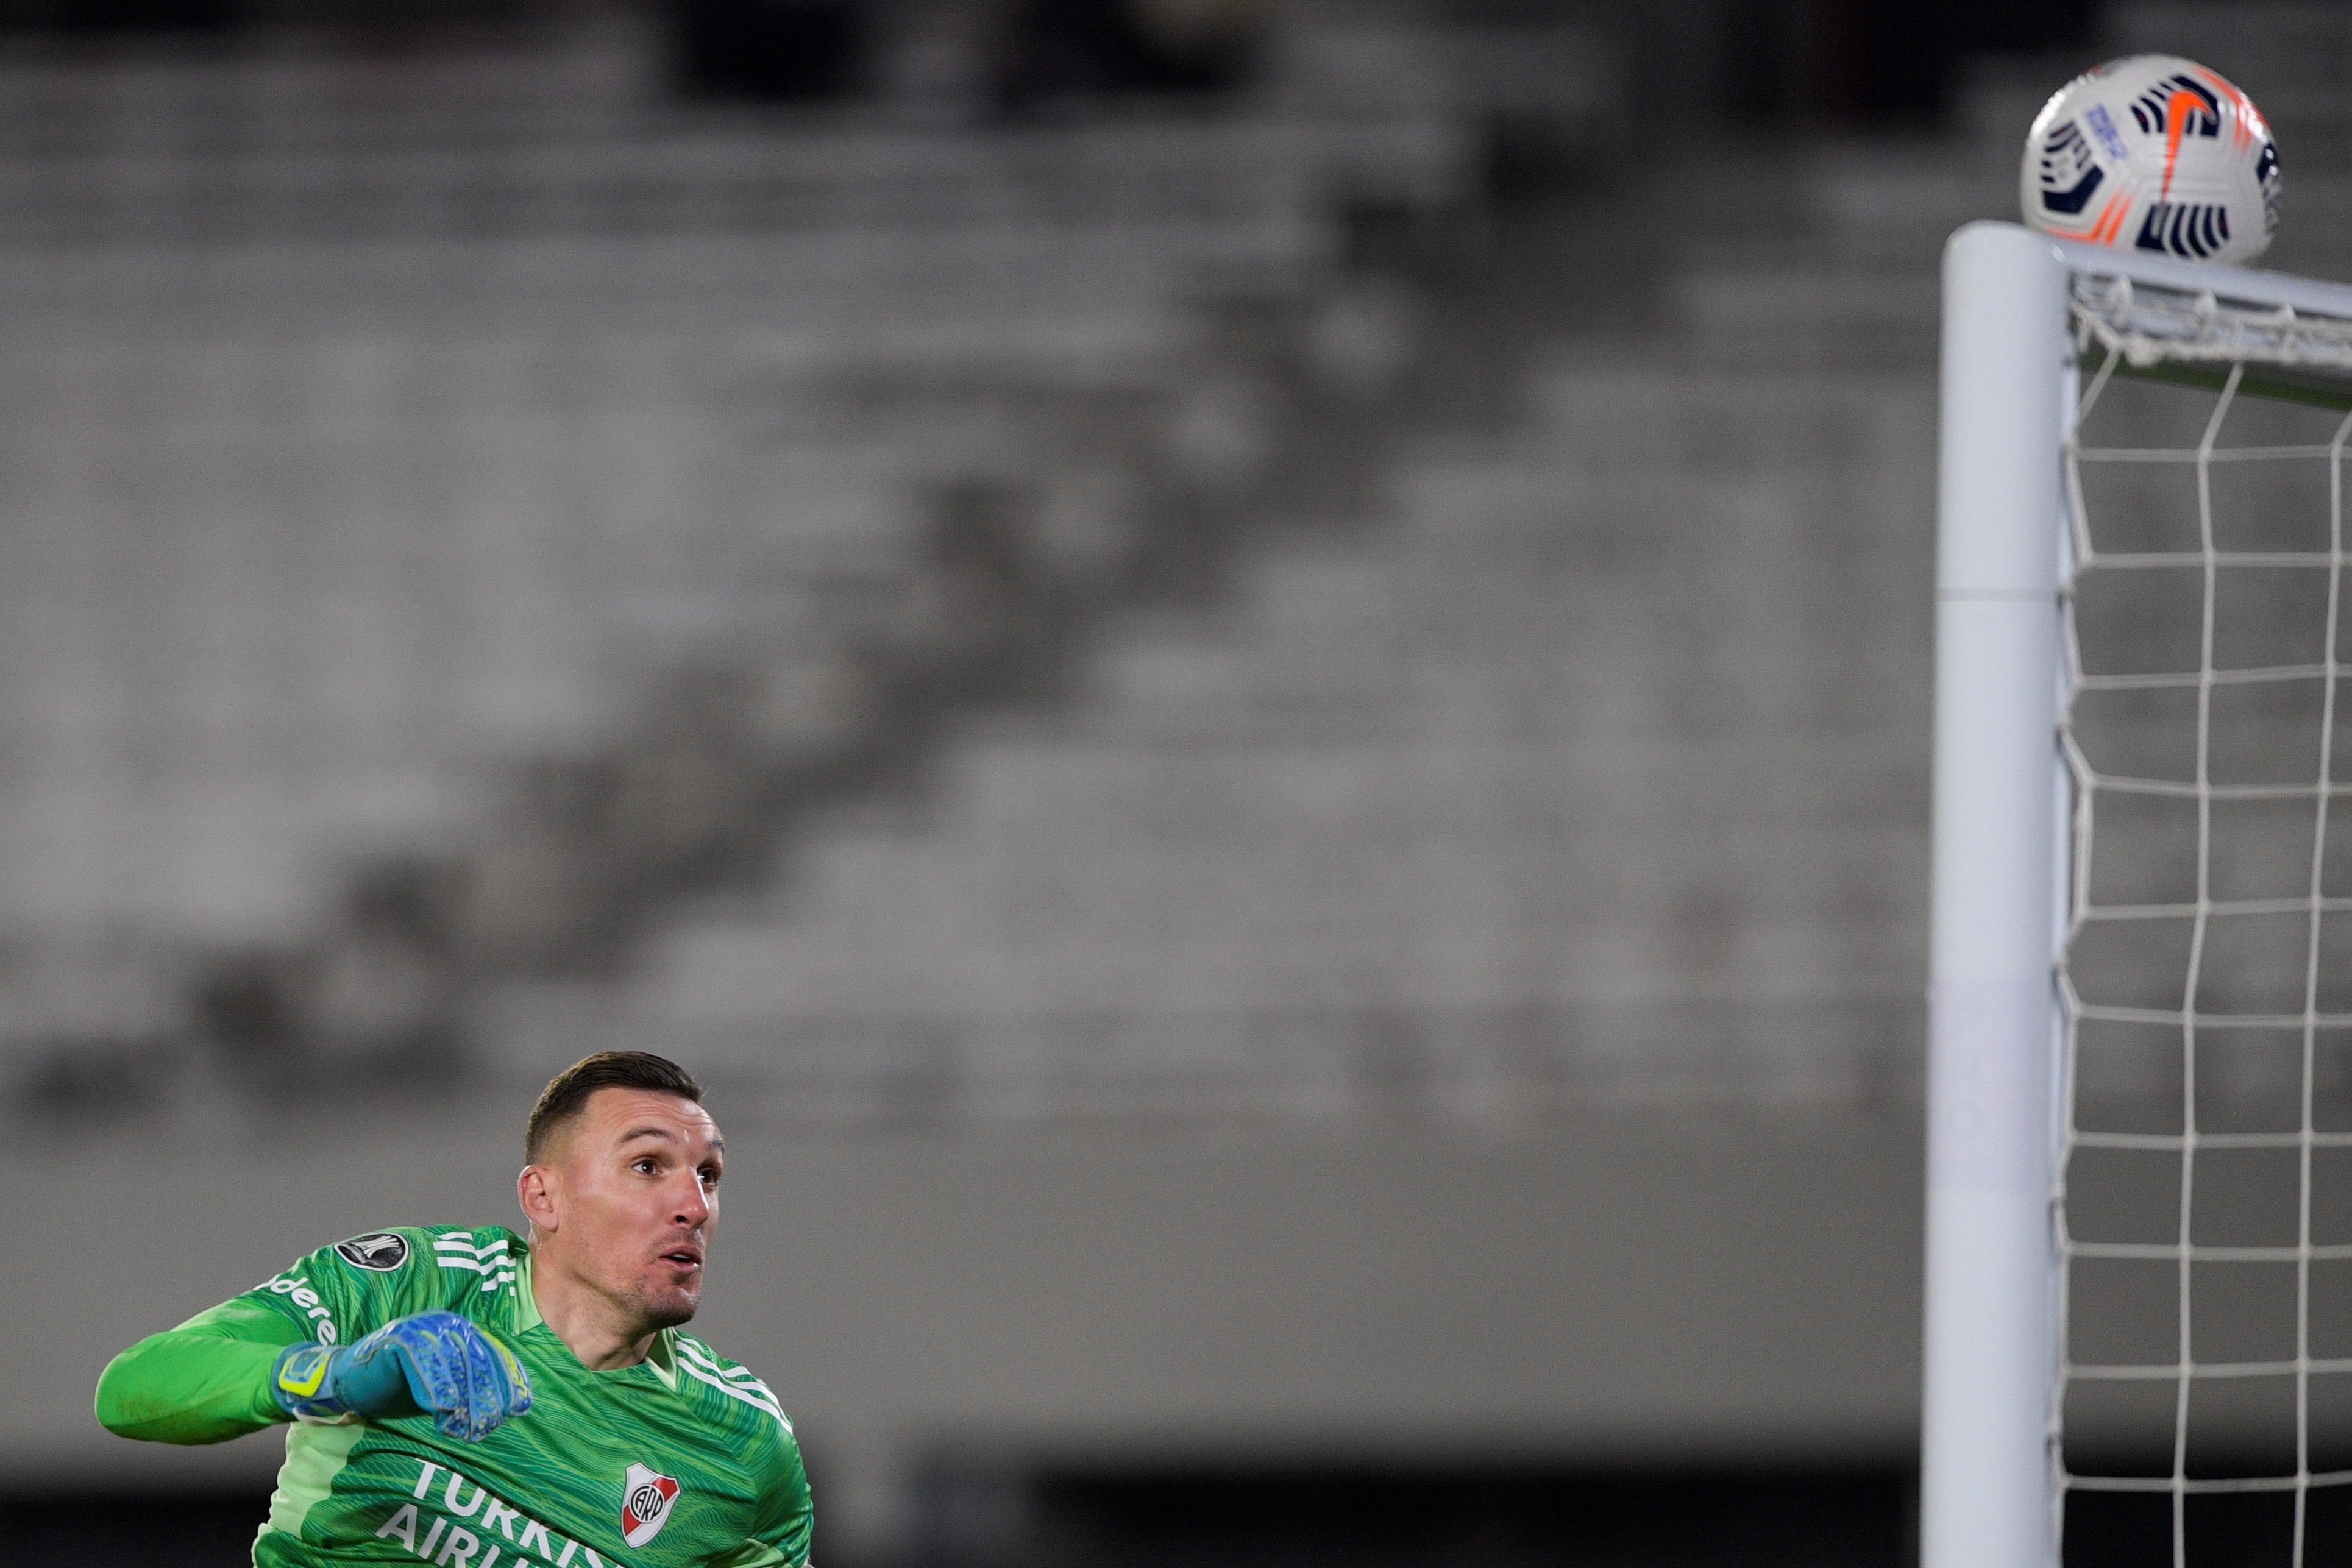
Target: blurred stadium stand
1306, 652
492, 500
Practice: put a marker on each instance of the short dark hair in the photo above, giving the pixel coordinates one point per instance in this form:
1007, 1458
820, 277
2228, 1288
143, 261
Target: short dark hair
566, 1096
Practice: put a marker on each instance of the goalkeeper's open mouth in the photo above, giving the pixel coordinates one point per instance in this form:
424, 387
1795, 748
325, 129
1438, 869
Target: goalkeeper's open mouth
686, 1260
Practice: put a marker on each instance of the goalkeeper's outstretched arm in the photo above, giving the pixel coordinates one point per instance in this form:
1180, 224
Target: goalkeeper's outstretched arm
251, 1361
205, 1382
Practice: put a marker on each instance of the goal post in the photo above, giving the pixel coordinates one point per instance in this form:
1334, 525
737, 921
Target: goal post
2200, 590
1989, 1351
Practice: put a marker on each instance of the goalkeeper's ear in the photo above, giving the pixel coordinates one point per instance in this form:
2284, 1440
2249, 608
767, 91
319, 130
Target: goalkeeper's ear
535, 1190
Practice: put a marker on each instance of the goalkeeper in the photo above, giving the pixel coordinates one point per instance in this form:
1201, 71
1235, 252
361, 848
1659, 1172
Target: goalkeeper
478, 1400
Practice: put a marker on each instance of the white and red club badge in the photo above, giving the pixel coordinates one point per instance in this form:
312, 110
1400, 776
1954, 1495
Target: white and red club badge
646, 1499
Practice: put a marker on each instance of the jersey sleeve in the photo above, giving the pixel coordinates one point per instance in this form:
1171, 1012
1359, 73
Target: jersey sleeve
208, 1380
781, 1538
205, 1382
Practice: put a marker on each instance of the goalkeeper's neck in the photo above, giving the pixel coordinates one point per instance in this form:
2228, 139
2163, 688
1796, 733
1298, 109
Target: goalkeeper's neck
605, 1333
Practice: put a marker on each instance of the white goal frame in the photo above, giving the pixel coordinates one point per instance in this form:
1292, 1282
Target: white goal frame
1999, 855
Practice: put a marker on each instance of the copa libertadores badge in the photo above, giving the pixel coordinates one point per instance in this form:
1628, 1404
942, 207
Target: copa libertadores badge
379, 1252
646, 1499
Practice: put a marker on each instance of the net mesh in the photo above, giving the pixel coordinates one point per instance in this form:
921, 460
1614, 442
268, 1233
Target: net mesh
2204, 1205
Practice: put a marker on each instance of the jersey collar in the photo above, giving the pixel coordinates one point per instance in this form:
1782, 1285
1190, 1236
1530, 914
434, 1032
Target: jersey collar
527, 1316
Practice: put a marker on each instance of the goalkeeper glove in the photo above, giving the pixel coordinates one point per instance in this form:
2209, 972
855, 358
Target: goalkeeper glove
435, 1363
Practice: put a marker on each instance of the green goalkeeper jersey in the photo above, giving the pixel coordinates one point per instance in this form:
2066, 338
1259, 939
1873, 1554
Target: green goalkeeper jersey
683, 1460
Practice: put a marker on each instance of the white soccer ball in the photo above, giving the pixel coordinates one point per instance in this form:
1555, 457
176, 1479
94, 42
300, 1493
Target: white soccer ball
2153, 153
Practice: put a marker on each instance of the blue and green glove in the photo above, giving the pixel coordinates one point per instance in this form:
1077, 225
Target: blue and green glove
435, 1363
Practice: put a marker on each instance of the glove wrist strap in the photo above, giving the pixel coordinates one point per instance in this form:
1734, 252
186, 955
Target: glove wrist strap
303, 1381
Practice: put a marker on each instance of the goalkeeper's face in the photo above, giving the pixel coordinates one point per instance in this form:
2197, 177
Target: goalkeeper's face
637, 1197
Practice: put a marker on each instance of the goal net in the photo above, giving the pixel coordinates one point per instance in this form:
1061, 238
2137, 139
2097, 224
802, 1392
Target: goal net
2140, 1215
